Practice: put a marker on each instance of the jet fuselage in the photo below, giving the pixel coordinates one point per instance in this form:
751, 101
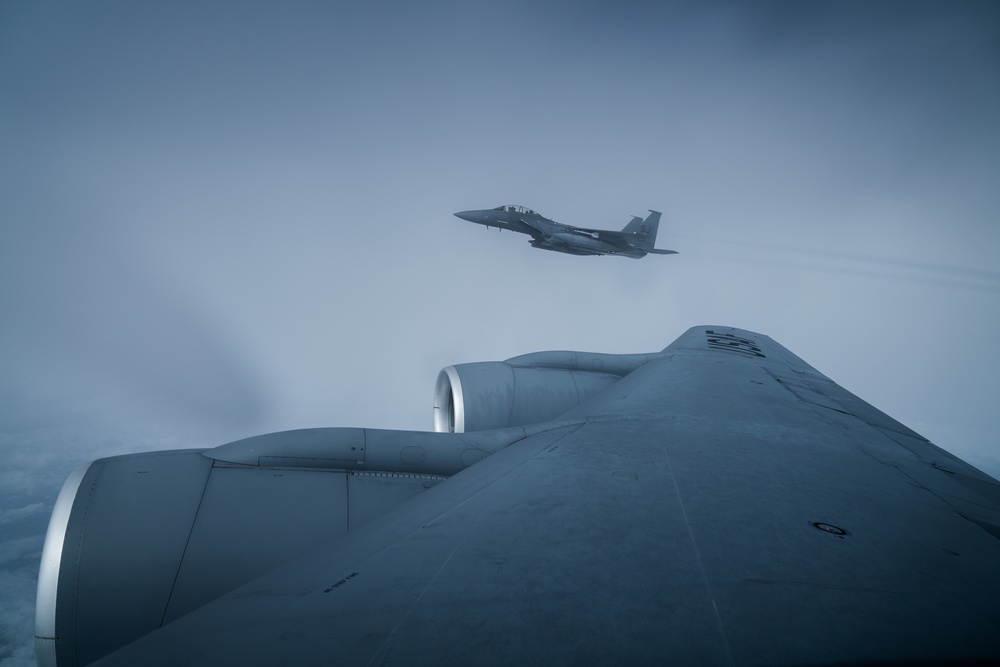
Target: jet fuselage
635, 240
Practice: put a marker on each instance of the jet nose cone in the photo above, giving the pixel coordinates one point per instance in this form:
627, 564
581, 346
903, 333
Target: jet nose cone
471, 216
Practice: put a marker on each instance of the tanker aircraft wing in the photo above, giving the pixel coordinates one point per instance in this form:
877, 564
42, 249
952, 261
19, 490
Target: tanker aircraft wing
720, 502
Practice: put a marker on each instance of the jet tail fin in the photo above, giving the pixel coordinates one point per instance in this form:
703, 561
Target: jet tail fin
634, 225
644, 229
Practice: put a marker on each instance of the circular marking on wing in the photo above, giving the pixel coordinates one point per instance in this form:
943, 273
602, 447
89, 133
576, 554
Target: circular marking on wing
829, 528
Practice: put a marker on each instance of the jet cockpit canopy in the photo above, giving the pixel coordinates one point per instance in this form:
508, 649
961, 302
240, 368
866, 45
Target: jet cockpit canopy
510, 208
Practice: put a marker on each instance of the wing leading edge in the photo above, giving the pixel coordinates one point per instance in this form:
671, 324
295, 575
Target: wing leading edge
723, 503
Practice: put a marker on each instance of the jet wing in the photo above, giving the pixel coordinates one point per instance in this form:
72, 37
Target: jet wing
622, 239
724, 503
539, 231
609, 235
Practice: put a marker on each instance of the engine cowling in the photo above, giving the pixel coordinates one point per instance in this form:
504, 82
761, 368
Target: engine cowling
523, 390
139, 540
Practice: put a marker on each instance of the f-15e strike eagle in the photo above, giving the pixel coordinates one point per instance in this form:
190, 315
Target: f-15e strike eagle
720, 502
636, 240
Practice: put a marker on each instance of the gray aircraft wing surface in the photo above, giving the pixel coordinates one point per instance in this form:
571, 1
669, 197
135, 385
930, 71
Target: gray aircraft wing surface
539, 229
718, 503
622, 238
608, 234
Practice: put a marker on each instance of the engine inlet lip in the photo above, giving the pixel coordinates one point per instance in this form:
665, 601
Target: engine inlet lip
449, 402
48, 574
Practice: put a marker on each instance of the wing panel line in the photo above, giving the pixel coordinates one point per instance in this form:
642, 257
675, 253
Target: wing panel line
427, 586
187, 543
701, 565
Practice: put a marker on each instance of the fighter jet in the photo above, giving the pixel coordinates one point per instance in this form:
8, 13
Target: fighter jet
636, 240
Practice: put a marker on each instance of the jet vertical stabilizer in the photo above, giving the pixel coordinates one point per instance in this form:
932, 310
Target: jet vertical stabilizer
644, 229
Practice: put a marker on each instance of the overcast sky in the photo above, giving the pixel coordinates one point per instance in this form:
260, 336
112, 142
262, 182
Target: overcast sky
224, 219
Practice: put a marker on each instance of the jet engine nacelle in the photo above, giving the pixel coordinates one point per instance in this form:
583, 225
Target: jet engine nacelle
524, 390
580, 241
139, 540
